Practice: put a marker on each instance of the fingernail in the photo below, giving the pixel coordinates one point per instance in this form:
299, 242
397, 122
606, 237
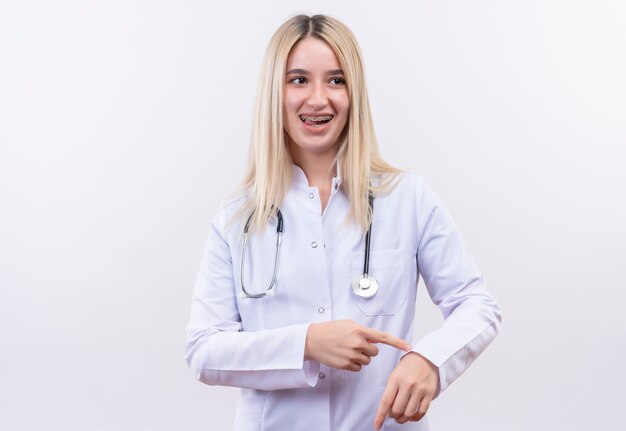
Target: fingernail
407, 348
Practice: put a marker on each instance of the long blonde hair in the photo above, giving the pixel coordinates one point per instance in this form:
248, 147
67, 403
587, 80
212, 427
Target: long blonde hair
269, 171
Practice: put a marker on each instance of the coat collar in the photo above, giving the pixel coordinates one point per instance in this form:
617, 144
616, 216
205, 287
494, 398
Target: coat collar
298, 177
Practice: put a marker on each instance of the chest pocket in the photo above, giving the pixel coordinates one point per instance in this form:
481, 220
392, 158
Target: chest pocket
388, 268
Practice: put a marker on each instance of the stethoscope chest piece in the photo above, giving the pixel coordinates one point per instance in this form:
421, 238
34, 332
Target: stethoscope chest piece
364, 286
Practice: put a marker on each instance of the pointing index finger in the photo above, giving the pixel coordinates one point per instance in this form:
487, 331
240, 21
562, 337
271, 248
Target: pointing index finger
385, 404
377, 336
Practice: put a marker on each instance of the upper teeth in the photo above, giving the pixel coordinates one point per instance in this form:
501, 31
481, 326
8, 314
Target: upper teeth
323, 118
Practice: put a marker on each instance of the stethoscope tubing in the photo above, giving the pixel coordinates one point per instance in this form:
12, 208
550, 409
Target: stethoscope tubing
368, 236
279, 233
366, 279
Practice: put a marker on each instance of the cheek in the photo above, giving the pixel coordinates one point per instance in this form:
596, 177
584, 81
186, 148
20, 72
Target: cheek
287, 110
290, 102
345, 109
344, 102
343, 124
288, 114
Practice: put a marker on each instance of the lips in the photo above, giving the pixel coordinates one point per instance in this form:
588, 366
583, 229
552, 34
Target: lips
318, 120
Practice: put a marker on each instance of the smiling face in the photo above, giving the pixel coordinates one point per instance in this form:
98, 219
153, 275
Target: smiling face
316, 104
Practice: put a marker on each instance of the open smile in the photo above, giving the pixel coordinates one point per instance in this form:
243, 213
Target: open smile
316, 121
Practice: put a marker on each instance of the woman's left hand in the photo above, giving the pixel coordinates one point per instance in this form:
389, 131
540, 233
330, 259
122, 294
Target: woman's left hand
410, 389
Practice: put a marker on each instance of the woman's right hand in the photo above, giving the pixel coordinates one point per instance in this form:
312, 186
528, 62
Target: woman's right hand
346, 345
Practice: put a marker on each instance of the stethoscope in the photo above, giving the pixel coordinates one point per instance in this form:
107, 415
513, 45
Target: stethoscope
364, 286
279, 232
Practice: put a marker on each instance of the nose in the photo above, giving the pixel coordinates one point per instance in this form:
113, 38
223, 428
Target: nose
317, 96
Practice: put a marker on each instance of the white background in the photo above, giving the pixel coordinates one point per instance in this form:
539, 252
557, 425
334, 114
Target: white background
124, 124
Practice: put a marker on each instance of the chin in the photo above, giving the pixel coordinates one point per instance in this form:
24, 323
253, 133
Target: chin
312, 147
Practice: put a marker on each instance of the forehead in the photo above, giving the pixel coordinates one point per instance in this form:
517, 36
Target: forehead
312, 54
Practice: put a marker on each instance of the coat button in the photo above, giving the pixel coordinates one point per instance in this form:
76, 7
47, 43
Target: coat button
314, 244
321, 375
311, 195
321, 310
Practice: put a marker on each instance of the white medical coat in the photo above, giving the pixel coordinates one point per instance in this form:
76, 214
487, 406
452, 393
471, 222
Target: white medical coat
258, 344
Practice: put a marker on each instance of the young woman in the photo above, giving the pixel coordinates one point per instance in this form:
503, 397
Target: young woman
306, 293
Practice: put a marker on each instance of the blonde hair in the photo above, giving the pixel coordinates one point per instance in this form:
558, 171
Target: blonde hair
269, 171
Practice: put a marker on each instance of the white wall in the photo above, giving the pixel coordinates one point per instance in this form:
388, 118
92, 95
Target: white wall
123, 124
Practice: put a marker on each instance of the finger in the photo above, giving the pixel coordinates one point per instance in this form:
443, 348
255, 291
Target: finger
399, 404
402, 419
362, 359
382, 337
412, 405
386, 401
422, 409
353, 366
370, 349
411, 409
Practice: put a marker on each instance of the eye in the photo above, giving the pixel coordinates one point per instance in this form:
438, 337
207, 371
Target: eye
299, 80
337, 81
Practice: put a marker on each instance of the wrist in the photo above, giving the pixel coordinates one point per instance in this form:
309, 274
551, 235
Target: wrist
308, 342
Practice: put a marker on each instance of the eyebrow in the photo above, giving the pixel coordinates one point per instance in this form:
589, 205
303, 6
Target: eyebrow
306, 72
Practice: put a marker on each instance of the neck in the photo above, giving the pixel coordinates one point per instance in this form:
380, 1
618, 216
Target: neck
319, 168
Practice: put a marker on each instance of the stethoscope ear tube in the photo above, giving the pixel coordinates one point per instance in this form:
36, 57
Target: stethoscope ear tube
244, 244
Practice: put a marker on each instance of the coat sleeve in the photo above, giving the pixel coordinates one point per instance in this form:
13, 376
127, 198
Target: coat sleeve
219, 351
456, 285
